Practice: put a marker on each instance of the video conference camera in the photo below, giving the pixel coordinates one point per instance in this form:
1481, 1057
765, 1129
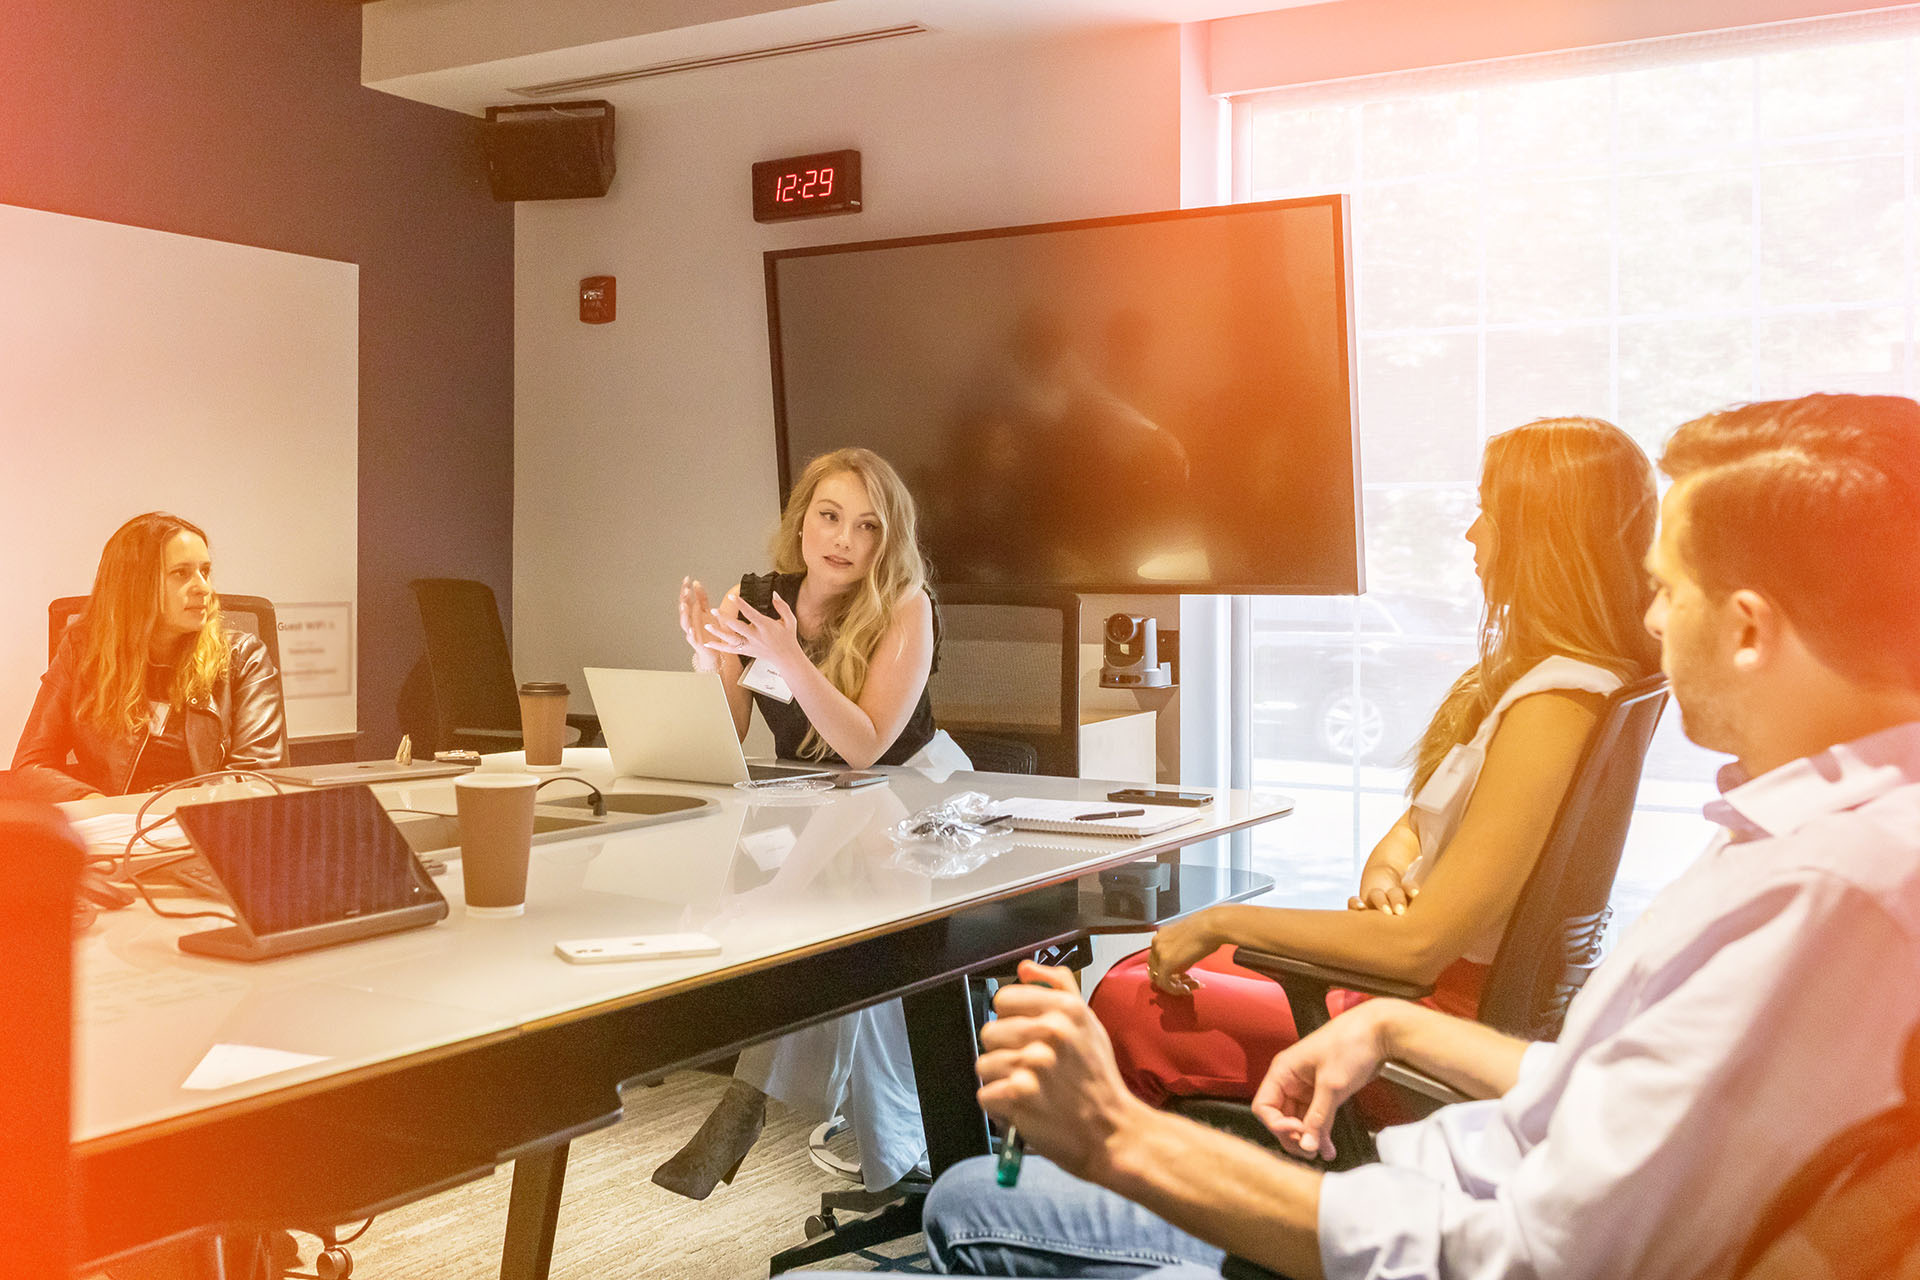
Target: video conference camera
1132, 657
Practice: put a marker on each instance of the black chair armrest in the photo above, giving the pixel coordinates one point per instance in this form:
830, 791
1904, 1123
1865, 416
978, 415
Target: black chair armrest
1280, 968
1232, 1268
1419, 1082
1228, 1115
490, 735
586, 730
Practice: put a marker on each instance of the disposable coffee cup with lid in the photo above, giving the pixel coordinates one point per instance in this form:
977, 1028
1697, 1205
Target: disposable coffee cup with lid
543, 722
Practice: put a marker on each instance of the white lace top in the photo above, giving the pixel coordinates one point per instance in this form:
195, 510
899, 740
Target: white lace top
1440, 804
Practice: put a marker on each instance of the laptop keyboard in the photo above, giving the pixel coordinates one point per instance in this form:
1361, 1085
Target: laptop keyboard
780, 772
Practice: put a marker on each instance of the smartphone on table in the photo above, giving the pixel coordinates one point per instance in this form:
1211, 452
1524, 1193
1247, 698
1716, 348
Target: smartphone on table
1159, 795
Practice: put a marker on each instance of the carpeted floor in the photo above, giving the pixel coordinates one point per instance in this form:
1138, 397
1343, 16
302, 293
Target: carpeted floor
614, 1223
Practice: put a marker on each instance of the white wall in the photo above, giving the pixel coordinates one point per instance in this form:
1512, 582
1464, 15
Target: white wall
143, 370
1369, 37
644, 448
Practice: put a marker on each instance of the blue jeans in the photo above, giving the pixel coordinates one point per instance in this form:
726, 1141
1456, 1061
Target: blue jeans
1053, 1224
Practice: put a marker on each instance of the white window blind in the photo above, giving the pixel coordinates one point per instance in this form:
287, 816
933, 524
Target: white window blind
1641, 232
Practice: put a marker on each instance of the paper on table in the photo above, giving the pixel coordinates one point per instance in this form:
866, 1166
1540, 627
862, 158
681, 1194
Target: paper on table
231, 1064
1030, 813
113, 829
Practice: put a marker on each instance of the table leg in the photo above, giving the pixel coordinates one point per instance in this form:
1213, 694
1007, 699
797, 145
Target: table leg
532, 1213
940, 1032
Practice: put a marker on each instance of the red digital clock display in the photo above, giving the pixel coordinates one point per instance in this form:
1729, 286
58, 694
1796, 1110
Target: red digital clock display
806, 186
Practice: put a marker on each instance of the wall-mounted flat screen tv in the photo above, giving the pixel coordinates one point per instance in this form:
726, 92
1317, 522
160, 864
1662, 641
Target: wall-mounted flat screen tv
1151, 403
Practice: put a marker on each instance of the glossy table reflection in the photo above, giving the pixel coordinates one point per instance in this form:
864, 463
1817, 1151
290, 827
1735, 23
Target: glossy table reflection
447, 1051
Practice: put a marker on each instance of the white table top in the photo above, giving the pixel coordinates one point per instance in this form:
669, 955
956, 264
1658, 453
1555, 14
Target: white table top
767, 876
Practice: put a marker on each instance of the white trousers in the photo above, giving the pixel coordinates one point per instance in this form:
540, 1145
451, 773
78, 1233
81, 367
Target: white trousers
858, 1066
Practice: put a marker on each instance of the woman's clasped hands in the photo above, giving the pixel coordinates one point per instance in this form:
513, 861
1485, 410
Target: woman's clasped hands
745, 632
1382, 889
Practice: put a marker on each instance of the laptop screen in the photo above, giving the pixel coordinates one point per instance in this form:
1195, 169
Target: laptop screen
307, 858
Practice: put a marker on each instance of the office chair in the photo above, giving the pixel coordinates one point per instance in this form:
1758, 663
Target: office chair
1552, 940
37, 922
252, 614
1852, 1212
476, 700
1007, 687
991, 753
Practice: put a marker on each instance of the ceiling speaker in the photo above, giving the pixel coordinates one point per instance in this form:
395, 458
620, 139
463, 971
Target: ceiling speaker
549, 151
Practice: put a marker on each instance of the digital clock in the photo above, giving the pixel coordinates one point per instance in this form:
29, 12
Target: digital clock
805, 186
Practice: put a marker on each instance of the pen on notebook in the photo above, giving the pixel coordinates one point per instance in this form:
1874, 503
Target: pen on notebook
1109, 813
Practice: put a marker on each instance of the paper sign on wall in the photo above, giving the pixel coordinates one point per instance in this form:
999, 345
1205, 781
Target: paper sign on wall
316, 650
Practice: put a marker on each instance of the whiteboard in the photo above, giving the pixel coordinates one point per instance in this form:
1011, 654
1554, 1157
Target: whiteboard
144, 371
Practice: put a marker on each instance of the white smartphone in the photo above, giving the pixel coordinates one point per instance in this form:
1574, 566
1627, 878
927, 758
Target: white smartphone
852, 778
642, 946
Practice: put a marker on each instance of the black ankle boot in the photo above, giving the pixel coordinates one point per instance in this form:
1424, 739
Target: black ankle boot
714, 1154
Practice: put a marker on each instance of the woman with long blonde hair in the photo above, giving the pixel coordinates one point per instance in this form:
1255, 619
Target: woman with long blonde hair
836, 650
148, 687
838, 646
1567, 511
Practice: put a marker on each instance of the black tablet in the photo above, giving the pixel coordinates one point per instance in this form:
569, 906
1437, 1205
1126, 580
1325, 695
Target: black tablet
307, 869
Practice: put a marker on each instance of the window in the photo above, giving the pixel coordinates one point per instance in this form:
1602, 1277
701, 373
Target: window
1643, 234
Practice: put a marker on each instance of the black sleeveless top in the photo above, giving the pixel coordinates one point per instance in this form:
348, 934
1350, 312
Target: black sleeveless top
790, 724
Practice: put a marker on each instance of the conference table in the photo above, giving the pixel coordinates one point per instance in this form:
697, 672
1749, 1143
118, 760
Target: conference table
321, 1088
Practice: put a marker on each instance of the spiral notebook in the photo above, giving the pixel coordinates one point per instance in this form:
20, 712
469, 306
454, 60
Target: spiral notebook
1080, 817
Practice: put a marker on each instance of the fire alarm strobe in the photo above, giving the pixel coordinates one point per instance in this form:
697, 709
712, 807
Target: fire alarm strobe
596, 299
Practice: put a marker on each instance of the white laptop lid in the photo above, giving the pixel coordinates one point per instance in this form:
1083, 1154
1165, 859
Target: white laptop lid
667, 724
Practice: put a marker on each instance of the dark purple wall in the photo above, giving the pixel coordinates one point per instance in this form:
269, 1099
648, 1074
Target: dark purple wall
245, 120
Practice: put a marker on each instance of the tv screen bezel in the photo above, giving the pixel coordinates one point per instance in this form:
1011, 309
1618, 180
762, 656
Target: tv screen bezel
1341, 207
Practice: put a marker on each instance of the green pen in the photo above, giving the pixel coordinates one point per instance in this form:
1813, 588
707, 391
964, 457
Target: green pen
1012, 1152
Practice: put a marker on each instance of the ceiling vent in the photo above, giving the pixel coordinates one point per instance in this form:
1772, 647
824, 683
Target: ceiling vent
587, 84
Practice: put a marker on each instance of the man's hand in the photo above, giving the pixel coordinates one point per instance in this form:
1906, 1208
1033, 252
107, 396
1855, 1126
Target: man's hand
1049, 1069
1309, 1080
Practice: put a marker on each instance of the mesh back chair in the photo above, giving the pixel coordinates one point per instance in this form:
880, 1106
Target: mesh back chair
253, 614
1008, 685
991, 753
1552, 941
476, 701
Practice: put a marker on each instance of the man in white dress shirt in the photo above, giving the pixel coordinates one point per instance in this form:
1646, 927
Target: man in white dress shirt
1757, 1008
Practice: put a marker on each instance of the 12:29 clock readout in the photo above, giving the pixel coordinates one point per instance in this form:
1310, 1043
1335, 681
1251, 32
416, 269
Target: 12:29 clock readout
803, 186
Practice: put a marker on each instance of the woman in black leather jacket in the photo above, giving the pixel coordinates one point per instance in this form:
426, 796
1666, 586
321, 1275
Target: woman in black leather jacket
147, 687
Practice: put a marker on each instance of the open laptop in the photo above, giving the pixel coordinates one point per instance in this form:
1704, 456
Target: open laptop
676, 725
306, 869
